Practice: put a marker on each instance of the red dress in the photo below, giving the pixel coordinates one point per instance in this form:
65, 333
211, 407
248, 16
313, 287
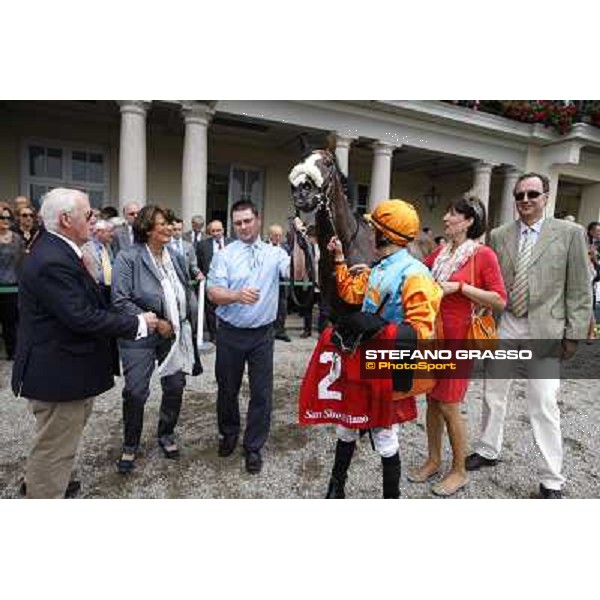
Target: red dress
455, 310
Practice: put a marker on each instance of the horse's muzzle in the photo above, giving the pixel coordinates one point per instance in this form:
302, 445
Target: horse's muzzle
306, 196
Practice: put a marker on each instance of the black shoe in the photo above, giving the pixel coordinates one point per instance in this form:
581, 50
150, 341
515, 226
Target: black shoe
475, 461
548, 494
125, 466
73, 488
173, 453
227, 445
253, 462
305, 334
284, 337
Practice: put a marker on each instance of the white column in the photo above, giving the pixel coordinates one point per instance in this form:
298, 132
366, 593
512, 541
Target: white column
381, 173
553, 175
195, 160
481, 185
342, 151
507, 203
132, 152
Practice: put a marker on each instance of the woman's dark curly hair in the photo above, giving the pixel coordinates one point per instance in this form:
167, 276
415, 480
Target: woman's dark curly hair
471, 207
145, 221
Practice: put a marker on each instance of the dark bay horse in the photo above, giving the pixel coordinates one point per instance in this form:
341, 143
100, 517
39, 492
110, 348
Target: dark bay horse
319, 187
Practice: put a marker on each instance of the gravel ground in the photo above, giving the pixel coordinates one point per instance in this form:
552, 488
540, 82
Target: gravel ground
297, 459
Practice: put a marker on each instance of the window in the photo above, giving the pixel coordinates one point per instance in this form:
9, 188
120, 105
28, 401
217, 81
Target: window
48, 165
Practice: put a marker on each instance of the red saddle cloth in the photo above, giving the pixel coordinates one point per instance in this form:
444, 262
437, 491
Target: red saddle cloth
332, 390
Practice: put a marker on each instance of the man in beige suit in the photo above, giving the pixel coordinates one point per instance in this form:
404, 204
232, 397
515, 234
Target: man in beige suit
545, 270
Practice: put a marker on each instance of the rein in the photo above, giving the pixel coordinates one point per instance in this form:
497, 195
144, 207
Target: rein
324, 205
298, 238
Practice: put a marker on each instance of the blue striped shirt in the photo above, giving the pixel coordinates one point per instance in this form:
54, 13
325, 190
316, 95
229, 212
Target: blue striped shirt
240, 265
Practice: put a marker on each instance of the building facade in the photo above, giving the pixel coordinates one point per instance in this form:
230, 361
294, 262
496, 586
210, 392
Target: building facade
198, 157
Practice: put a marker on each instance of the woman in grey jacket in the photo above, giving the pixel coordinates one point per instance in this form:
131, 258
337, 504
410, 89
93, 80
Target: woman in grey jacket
147, 276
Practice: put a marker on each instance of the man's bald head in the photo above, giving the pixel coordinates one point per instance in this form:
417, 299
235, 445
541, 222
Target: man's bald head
130, 211
275, 234
215, 230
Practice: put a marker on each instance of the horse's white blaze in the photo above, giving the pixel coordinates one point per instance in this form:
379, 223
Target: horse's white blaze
305, 169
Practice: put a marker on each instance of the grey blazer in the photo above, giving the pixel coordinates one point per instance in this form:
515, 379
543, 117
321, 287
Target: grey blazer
89, 250
136, 286
190, 260
560, 296
121, 239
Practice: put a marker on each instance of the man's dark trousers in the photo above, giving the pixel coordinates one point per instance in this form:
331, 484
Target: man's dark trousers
235, 347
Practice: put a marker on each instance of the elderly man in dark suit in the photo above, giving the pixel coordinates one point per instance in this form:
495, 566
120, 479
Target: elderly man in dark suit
64, 355
544, 264
206, 250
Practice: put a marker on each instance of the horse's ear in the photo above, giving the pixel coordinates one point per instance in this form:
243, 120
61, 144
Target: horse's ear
330, 143
304, 146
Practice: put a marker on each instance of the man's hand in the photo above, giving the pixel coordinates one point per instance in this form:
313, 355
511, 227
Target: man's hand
151, 321
200, 276
164, 328
358, 269
335, 246
249, 295
299, 225
569, 347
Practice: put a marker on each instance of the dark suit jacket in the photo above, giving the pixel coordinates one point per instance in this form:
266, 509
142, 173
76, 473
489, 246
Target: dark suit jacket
65, 327
205, 253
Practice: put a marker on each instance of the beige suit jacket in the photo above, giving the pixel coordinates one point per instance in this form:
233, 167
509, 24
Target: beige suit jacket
560, 295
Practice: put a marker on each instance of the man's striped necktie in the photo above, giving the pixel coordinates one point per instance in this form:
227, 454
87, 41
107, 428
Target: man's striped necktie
519, 295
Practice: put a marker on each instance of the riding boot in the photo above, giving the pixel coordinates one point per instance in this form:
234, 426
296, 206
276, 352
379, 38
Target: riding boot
343, 457
391, 476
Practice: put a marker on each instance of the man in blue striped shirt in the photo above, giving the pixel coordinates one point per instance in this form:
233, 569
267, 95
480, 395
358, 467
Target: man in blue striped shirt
243, 282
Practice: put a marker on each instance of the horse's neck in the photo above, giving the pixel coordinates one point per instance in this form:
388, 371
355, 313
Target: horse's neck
344, 219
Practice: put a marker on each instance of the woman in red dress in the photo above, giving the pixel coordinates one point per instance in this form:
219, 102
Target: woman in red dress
469, 274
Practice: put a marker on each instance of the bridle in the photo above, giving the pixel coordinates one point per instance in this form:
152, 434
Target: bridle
322, 207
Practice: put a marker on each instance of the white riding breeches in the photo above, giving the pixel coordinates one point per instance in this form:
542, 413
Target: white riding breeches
384, 438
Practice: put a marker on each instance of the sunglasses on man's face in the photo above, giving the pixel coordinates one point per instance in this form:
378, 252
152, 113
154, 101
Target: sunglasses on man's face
530, 194
27, 215
4, 218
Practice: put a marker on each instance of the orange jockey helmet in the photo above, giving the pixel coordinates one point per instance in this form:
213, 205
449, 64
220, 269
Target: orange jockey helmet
397, 220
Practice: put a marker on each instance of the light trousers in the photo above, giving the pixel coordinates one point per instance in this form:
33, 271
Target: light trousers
385, 439
542, 403
58, 430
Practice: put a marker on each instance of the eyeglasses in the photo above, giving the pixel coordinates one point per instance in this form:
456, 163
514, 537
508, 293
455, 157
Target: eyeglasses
3, 218
531, 195
27, 215
88, 215
132, 214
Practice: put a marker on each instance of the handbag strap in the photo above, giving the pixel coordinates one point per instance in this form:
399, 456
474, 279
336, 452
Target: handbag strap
486, 311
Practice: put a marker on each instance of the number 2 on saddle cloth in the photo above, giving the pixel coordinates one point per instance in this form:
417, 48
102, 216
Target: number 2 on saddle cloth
333, 390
